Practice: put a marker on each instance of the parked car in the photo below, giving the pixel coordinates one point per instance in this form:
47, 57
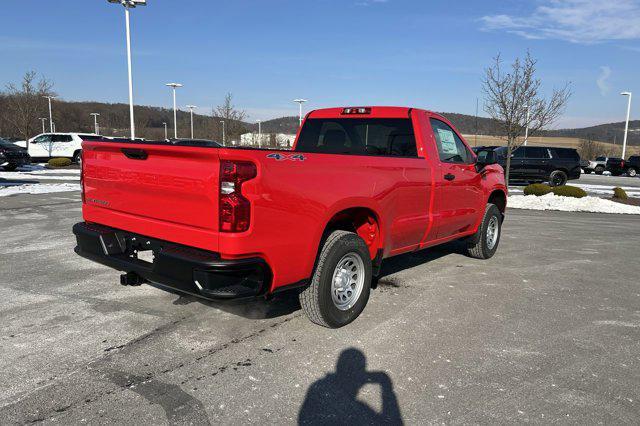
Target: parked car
633, 165
12, 156
49, 145
542, 164
359, 187
615, 165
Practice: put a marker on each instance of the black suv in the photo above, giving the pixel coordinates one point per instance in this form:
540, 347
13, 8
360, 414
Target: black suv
633, 165
615, 165
542, 164
12, 156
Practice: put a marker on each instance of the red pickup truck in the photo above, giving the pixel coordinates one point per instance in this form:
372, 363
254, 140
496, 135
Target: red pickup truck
361, 185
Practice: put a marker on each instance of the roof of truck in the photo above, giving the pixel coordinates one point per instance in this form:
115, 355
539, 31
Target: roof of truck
376, 112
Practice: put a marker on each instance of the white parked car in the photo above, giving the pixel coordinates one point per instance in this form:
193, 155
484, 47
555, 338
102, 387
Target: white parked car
50, 145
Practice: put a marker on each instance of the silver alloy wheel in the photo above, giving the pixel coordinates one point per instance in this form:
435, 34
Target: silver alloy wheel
493, 229
632, 172
348, 281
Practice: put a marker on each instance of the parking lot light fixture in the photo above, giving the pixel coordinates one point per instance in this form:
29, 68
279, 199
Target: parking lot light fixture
43, 121
626, 127
526, 130
130, 4
165, 130
223, 133
259, 133
50, 113
191, 108
95, 122
174, 86
300, 102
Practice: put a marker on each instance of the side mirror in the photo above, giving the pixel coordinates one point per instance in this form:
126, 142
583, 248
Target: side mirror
485, 158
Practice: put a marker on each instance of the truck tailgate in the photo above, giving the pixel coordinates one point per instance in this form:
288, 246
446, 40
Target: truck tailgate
162, 191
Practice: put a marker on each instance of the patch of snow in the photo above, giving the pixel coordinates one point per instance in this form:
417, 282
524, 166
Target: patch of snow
18, 176
39, 189
569, 204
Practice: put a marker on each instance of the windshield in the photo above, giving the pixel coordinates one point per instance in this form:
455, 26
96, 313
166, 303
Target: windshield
368, 136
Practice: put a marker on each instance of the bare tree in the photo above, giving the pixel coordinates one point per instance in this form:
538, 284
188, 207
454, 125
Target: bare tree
589, 149
508, 95
232, 117
25, 104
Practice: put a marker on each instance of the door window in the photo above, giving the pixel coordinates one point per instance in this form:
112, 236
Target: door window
61, 138
536, 152
42, 139
518, 153
451, 149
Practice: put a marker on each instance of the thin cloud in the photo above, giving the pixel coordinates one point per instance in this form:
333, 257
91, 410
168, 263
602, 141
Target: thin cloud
370, 2
576, 21
603, 80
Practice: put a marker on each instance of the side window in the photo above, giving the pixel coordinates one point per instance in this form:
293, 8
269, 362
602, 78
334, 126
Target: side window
42, 139
61, 138
537, 152
451, 149
518, 153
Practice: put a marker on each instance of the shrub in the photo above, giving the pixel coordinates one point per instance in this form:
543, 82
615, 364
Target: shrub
537, 189
619, 193
59, 162
569, 191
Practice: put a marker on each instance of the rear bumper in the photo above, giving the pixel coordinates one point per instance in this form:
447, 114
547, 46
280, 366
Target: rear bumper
189, 270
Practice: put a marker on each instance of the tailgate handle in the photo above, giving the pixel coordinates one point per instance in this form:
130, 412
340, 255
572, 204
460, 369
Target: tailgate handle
135, 154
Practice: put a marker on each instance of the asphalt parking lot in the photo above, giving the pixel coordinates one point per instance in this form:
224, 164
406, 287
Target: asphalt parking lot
546, 331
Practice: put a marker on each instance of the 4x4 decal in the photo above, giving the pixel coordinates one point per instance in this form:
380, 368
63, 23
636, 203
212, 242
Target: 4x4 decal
282, 157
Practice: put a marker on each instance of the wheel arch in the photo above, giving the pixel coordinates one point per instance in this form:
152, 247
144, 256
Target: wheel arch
361, 220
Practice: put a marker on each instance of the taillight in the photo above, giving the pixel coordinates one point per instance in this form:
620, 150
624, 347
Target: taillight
235, 209
82, 175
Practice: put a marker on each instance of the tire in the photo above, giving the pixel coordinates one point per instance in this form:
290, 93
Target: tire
632, 172
480, 246
557, 178
321, 299
599, 170
77, 157
587, 171
10, 167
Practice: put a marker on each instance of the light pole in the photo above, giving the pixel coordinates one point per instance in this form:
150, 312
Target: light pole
43, 120
300, 102
50, 114
130, 4
174, 86
165, 130
626, 127
95, 122
191, 108
259, 133
223, 134
526, 130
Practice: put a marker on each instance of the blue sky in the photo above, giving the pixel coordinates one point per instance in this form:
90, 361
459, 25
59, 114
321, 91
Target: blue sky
421, 53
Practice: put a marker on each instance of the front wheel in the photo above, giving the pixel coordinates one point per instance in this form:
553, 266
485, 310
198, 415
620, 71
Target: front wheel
10, 167
341, 282
632, 172
599, 170
484, 243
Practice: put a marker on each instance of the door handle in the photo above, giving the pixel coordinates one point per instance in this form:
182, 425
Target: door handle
135, 154
449, 176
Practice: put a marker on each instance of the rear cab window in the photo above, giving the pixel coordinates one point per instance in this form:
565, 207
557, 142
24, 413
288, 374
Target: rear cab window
566, 154
373, 136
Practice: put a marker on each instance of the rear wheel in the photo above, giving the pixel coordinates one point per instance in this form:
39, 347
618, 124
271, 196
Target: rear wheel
632, 172
557, 178
587, 171
341, 281
77, 157
599, 170
484, 243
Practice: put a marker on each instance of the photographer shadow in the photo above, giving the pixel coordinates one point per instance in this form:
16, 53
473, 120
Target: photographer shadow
334, 398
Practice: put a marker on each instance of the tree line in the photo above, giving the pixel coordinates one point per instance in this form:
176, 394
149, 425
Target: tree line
23, 105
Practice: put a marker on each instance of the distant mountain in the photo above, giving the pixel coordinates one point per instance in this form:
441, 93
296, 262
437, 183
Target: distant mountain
611, 132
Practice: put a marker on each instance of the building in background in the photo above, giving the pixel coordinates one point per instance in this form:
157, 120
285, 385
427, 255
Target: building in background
279, 140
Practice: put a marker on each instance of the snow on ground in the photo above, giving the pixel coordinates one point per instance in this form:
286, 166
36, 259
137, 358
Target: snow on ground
632, 191
38, 172
569, 204
38, 188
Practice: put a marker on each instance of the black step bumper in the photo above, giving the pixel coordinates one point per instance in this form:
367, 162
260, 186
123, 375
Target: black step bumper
185, 269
